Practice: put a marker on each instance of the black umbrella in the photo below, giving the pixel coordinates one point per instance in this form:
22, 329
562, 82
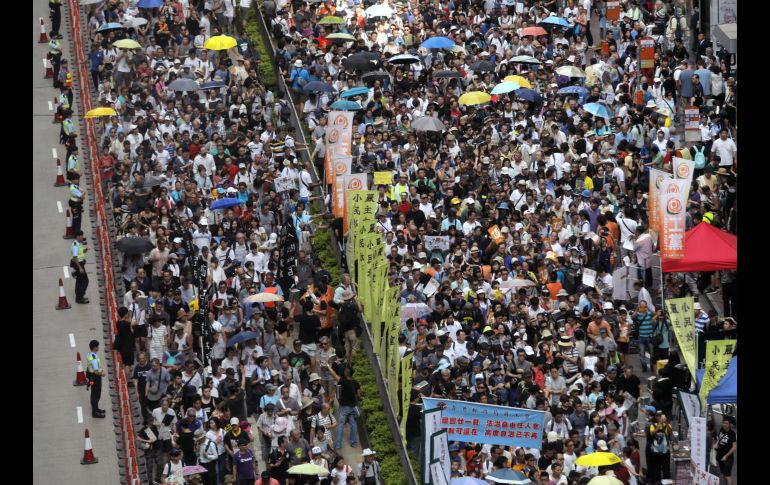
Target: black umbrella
447, 74
368, 55
134, 245
375, 75
358, 64
483, 66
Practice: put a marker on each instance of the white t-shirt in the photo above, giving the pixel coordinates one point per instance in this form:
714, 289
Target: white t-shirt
726, 151
305, 181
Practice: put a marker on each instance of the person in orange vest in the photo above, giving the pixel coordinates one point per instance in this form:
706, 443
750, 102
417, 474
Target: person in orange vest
269, 286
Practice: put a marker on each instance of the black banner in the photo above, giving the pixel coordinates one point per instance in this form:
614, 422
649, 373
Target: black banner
288, 245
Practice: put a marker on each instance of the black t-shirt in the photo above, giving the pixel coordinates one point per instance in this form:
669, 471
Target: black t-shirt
279, 472
544, 462
630, 385
209, 408
298, 360
308, 328
610, 388
140, 373
348, 392
725, 440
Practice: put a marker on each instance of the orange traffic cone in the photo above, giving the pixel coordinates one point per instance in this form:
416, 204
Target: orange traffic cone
69, 233
43, 35
60, 182
88, 453
80, 376
48, 68
63, 304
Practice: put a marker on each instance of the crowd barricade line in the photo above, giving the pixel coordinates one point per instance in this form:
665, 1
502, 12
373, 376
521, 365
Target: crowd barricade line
90, 139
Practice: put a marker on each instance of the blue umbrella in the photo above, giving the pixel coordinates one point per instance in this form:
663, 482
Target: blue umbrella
318, 86
212, 85
225, 203
579, 90
346, 105
508, 475
241, 337
149, 3
110, 26
355, 92
505, 87
528, 95
598, 109
468, 481
438, 43
557, 21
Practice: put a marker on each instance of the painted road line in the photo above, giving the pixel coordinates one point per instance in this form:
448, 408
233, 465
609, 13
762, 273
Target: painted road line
80, 414
72, 340
50, 105
66, 271
58, 206
53, 150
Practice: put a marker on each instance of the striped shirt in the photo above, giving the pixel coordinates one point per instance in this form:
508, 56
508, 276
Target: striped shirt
701, 321
571, 352
644, 322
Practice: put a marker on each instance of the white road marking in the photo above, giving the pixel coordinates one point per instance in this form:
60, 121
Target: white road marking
80, 414
66, 272
72, 340
44, 63
58, 206
50, 106
53, 150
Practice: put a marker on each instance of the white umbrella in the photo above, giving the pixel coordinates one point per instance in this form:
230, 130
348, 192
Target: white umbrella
263, 298
134, 22
379, 10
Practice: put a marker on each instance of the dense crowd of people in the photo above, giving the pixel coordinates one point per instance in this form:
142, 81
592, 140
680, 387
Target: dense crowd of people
246, 385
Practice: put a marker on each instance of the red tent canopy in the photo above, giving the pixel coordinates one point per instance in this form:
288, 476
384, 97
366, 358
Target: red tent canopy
706, 248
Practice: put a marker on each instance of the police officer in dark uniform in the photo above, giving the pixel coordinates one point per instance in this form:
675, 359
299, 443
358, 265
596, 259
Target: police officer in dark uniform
55, 7
94, 373
78, 265
54, 55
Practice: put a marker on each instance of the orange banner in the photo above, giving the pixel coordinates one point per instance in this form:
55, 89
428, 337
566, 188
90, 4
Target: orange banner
656, 179
672, 209
339, 143
342, 186
495, 234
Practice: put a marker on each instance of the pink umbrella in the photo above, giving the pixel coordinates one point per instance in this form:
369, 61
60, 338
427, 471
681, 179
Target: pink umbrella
534, 31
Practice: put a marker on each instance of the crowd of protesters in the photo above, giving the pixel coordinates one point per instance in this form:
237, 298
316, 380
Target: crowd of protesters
567, 190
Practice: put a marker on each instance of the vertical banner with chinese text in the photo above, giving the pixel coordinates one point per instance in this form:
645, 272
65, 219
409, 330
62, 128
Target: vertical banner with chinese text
672, 203
718, 356
682, 315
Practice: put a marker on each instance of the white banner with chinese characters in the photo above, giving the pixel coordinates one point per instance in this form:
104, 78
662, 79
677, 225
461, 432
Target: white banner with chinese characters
698, 449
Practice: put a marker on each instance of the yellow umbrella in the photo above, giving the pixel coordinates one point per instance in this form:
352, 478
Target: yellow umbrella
126, 44
97, 112
475, 97
220, 43
519, 80
599, 458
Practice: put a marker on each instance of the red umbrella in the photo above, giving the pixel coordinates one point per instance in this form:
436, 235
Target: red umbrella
535, 31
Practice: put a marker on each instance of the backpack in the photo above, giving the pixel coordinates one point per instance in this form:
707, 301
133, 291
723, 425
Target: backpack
285, 111
700, 158
660, 443
678, 28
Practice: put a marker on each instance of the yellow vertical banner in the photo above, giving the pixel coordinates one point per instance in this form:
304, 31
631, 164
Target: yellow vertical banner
361, 209
406, 391
718, 356
394, 356
682, 315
